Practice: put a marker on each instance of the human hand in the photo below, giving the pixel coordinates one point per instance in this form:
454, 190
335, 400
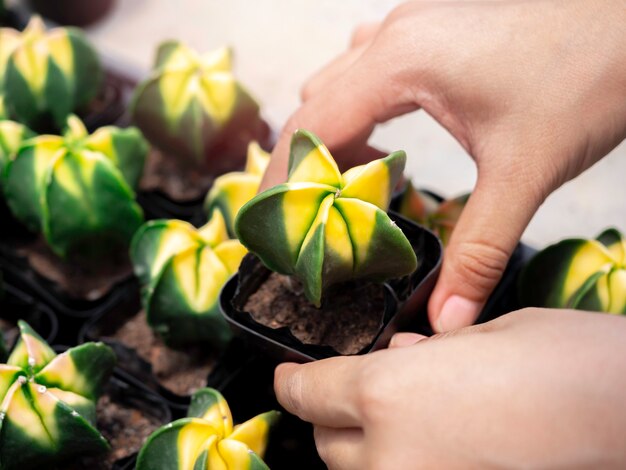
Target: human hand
538, 388
533, 90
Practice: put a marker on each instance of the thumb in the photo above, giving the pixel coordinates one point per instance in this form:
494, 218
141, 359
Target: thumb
486, 234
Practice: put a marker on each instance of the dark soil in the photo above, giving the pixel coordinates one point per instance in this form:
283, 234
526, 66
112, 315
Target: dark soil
182, 372
173, 177
83, 279
348, 321
124, 427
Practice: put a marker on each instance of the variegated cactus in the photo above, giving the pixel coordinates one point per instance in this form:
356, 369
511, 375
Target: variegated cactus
207, 439
48, 410
182, 270
77, 188
439, 217
579, 273
48, 74
12, 135
324, 227
192, 102
231, 191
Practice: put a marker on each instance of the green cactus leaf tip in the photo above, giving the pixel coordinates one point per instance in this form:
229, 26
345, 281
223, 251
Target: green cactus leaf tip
578, 273
208, 439
182, 270
47, 74
192, 102
78, 188
48, 401
324, 227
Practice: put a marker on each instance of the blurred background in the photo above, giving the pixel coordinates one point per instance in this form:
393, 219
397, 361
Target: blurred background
278, 44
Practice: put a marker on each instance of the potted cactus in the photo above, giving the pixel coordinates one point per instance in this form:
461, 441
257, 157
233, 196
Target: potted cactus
341, 271
578, 273
206, 438
77, 191
198, 117
180, 330
429, 210
231, 191
48, 409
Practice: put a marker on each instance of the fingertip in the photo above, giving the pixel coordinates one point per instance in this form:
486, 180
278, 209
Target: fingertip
402, 340
457, 312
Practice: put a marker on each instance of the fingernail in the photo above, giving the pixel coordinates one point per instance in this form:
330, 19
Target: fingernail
401, 340
456, 313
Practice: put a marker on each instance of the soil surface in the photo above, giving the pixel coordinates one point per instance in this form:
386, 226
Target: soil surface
171, 176
89, 280
348, 321
181, 371
124, 427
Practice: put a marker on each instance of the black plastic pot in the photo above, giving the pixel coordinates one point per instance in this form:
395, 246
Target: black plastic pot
157, 205
18, 305
404, 299
72, 12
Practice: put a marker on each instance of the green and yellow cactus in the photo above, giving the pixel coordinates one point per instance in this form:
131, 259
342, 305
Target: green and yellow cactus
77, 189
324, 227
231, 191
182, 270
580, 274
12, 135
440, 217
48, 408
193, 102
207, 439
47, 74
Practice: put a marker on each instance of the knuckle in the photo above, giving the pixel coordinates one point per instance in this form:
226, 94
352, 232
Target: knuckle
371, 399
293, 393
480, 263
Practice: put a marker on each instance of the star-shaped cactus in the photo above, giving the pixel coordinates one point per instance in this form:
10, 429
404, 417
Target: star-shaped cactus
578, 273
231, 191
438, 216
324, 227
48, 408
191, 102
49, 74
182, 270
77, 188
207, 439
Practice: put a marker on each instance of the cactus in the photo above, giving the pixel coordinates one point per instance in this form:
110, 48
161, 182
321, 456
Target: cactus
77, 188
12, 135
231, 191
192, 102
182, 270
580, 274
207, 439
48, 409
324, 227
48, 74
439, 217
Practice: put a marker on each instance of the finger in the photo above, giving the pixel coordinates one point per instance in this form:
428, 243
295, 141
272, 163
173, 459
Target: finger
320, 392
402, 340
364, 33
344, 113
486, 234
340, 448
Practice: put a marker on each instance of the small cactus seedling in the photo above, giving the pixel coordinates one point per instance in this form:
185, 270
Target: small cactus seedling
182, 270
580, 274
207, 439
439, 217
324, 227
48, 408
192, 102
47, 74
77, 189
231, 191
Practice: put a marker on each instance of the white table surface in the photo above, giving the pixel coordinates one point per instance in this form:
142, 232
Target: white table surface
279, 43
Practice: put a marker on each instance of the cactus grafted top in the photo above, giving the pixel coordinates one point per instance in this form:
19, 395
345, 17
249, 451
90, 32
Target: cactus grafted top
78, 188
182, 270
48, 401
47, 74
191, 102
207, 439
324, 227
231, 191
579, 273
